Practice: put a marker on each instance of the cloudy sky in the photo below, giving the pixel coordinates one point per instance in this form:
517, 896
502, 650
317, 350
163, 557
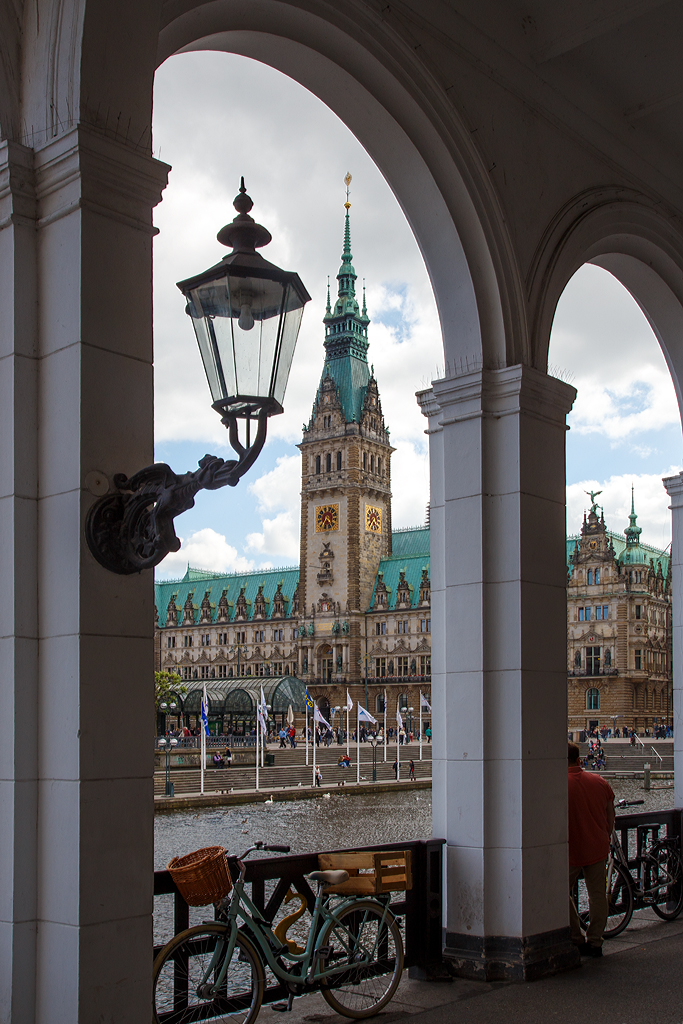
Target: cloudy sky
218, 116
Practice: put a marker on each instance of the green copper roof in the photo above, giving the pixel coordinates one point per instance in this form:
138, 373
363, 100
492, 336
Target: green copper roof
390, 570
411, 541
197, 582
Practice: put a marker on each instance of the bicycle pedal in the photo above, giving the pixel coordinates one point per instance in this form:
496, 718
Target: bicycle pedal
324, 952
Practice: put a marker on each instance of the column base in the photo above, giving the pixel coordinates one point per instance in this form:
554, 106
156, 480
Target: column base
504, 958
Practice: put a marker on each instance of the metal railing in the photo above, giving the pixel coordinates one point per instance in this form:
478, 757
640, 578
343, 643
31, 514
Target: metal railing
420, 907
657, 754
193, 742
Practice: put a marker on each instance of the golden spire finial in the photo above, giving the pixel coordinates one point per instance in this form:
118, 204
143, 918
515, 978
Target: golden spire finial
347, 182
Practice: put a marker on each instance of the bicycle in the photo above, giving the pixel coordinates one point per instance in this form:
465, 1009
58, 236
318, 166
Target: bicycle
658, 880
215, 971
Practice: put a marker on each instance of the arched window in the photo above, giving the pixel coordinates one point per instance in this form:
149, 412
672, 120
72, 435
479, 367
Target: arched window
379, 704
379, 465
365, 460
338, 461
317, 464
597, 575
328, 463
593, 699
590, 577
372, 463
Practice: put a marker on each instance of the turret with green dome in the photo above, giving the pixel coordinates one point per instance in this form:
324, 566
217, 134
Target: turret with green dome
633, 553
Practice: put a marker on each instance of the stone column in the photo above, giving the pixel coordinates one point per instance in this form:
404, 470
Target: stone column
18, 571
674, 488
76, 635
499, 686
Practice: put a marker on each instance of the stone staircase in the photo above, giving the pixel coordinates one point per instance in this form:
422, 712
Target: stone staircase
622, 757
290, 770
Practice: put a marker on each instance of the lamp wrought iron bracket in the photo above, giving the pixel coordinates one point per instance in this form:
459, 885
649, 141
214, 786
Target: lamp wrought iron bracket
131, 528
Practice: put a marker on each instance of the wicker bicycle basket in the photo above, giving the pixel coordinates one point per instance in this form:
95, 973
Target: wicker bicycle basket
202, 877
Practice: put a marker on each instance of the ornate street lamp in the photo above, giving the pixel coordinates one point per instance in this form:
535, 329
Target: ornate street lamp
246, 314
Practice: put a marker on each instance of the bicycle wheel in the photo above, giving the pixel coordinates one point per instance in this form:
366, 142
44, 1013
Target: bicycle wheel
666, 882
368, 953
189, 965
620, 902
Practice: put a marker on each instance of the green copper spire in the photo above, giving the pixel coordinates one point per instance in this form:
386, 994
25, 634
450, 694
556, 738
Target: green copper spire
346, 331
328, 309
632, 531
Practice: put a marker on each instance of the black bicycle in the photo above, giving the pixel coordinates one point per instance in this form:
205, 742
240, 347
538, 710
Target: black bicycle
653, 878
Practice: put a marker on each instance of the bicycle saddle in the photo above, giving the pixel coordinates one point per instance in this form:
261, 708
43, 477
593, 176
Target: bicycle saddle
329, 877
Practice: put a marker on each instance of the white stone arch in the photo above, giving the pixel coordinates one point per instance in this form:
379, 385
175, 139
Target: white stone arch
622, 232
368, 78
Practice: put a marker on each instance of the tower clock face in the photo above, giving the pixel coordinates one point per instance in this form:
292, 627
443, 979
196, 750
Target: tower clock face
593, 544
373, 519
326, 518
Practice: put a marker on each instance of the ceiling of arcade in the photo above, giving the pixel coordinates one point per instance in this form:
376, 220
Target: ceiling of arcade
540, 102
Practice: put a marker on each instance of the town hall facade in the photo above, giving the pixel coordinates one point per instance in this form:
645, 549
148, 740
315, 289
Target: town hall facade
357, 612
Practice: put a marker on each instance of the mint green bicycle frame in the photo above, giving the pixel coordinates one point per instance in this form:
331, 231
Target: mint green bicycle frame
312, 969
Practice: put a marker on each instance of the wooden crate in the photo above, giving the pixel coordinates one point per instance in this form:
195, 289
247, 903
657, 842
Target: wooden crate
370, 873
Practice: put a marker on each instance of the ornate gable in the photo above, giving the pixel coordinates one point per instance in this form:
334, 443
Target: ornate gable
188, 610
205, 608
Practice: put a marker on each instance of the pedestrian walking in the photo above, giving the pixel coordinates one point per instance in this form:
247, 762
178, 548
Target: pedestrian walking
318, 777
428, 733
591, 820
411, 770
395, 767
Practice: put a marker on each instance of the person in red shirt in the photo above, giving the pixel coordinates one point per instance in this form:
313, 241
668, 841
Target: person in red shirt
591, 820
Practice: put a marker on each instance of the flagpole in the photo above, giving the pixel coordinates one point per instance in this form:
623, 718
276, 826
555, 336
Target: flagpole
358, 744
399, 723
202, 753
313, 735
347, 724
385, 725
258, 728
420, 724
306, 732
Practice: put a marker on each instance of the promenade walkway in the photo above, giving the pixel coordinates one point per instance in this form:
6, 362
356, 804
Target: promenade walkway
636, 982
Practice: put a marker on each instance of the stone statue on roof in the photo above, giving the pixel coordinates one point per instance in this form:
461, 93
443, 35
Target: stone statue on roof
594, 505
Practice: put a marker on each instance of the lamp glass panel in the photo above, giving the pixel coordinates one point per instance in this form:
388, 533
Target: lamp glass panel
245, 344
293, 310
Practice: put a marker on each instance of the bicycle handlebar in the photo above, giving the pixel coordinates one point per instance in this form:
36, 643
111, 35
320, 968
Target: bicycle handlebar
259, 845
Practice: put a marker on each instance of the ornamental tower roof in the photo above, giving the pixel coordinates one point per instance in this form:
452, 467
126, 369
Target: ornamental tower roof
633, 553
346, 333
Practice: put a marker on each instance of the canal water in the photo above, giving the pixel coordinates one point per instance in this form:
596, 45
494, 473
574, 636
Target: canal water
319, 824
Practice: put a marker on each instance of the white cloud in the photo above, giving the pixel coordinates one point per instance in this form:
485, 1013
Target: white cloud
205, 549
280, 488
410, 466
602, 340
651, 504
280, 537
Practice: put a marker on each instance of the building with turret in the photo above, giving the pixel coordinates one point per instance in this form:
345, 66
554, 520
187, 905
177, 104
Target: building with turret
356, 614
618, 628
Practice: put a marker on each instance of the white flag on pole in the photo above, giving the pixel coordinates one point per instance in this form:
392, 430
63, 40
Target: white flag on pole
349, 702
424, 703
205, 712
262, 713
365, 716
317, 717
399, 720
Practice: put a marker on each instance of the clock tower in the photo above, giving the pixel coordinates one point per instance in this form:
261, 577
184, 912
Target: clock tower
345, 490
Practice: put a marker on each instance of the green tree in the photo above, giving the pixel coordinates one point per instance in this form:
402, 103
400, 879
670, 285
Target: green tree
167, 686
